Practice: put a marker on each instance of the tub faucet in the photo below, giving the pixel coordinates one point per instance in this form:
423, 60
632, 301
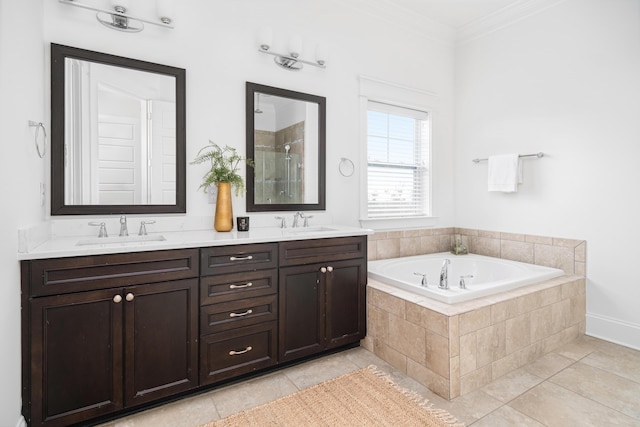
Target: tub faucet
123, 226
444, 274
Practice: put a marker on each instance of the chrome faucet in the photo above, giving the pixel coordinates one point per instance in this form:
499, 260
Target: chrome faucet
423, 282
444, 274
295, 218
123, 226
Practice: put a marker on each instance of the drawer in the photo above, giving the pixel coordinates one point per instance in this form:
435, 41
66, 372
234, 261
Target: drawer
299, 252
65, 275
228, 354
235, 314
238, 258
229, 287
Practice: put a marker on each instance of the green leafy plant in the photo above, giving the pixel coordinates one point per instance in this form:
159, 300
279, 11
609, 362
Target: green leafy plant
224, 166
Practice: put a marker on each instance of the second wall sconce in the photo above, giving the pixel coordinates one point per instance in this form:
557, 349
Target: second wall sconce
290, 61
120, 18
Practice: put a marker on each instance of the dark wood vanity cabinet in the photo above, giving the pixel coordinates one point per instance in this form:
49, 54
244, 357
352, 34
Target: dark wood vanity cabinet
239, 310
105, 333
322, 295
108, 332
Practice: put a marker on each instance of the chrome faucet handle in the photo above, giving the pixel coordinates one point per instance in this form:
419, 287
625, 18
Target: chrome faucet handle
283, 222
423, 282
463, 284
103, 228
306, 220
143, 227
123, 226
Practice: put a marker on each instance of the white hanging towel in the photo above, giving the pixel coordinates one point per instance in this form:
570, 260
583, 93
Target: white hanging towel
504, 173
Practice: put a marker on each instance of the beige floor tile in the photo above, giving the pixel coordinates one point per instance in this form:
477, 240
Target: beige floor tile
553, 406
471, 407
183, 413
548, 365
249, 394
316, 371
577, 349
506, 416
609, 389
512, 385
624, 364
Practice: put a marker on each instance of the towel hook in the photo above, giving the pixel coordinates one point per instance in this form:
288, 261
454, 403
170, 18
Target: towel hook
38, 126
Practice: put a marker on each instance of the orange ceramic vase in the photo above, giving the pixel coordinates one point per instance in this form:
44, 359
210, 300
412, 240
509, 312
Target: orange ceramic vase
223, 221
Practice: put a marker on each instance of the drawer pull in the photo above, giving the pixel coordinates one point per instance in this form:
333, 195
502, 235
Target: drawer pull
241, 314
240, 258
248, 285
235, 353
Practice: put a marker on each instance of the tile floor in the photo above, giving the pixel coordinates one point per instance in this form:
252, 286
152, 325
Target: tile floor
588, 382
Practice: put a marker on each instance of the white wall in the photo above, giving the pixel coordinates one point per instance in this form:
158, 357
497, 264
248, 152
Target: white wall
565, 82
216, 42
21, 171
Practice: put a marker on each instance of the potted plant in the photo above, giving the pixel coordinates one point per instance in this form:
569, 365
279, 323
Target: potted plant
223, 173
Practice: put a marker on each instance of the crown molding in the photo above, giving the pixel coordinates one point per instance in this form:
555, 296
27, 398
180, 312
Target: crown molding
502, 18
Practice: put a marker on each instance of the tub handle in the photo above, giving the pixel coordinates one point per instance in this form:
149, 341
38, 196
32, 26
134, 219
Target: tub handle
423, 282
463, 285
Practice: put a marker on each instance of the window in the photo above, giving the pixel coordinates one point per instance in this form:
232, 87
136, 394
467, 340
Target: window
397, 162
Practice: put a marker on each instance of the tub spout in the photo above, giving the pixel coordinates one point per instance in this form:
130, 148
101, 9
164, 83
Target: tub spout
444, 274
423, 282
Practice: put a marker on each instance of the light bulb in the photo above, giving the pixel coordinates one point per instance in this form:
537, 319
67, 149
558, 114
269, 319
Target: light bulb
321, 54
121, 6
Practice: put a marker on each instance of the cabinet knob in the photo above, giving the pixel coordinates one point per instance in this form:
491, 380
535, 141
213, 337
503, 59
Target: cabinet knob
329, 269
323, 269
129, 297
117, 298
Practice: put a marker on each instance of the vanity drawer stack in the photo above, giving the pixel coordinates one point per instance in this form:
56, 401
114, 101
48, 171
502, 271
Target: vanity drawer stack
238, 310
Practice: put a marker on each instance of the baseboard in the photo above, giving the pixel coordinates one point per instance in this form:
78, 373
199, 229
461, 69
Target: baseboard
21, 422
614, 330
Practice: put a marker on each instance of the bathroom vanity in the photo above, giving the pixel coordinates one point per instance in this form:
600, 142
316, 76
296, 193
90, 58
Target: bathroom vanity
106, 333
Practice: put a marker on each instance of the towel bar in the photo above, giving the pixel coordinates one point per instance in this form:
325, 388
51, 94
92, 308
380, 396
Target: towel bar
538, 155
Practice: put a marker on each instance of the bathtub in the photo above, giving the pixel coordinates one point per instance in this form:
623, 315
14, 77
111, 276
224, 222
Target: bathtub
490, 275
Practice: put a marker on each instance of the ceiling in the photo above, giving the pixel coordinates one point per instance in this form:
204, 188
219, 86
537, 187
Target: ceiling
455, 13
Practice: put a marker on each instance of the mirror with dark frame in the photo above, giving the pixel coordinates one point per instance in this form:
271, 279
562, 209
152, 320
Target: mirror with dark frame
286, 140
118, 135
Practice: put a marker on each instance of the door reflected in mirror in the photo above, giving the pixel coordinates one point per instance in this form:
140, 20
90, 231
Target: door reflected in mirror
286, 140
118, 134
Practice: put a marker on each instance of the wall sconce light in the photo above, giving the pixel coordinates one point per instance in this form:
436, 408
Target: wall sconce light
292, 60
120, 19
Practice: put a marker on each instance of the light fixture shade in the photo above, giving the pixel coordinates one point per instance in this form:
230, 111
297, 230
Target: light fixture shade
165, 10
295, 46
265, 37
321, 54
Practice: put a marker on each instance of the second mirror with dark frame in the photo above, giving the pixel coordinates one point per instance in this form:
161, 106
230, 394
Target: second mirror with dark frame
286, 138
118, 135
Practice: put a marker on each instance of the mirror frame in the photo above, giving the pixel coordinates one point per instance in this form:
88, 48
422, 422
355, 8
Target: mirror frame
251, 90
58, 206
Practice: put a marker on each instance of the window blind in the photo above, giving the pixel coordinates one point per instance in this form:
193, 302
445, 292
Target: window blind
397, 161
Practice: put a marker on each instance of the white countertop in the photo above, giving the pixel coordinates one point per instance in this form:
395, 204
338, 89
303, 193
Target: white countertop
89, 245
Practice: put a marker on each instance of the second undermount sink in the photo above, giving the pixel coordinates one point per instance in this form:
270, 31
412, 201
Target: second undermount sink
308, 230
118, 240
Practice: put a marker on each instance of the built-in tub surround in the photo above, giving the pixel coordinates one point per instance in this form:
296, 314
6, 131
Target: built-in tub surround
454, 349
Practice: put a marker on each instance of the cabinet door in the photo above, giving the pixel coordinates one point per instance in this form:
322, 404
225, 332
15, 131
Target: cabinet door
161, 330
301, 312
346, 298
76, 357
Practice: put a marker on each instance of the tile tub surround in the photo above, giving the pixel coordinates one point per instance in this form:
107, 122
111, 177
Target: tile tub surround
456, 349
566, 254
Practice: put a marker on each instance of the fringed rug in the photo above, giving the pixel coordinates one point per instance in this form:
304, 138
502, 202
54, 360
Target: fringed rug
366, 397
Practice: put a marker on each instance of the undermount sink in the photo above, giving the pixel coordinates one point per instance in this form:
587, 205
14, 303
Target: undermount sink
118, 240
308, 230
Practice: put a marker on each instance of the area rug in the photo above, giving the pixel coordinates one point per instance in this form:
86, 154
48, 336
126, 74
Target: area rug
366, 397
